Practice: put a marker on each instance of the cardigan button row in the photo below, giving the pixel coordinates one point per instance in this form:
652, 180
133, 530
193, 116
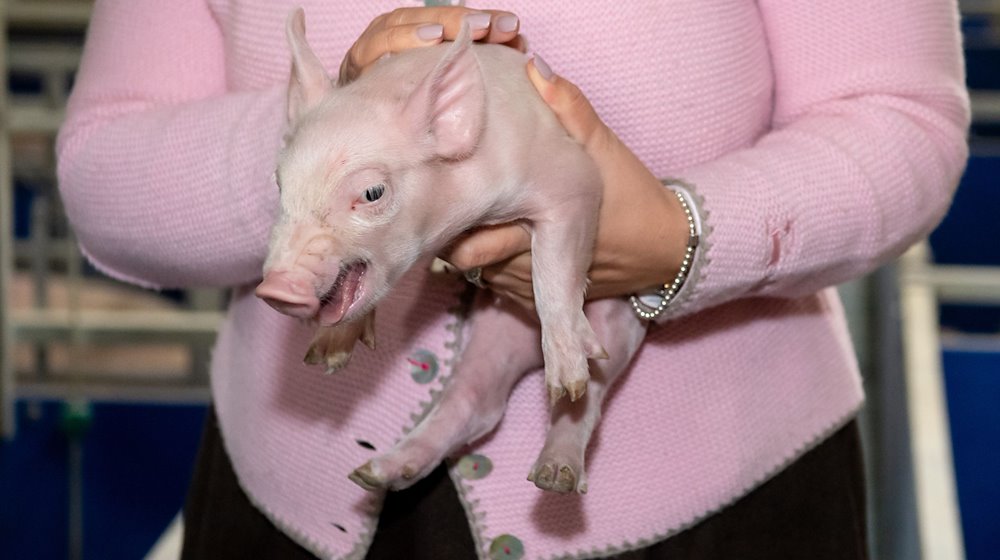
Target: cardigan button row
423, 369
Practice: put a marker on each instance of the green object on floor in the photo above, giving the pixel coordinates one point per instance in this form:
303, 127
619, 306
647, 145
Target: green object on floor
76, 418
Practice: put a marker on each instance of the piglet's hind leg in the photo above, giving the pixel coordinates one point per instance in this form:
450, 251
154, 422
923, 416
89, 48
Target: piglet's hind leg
560, 465
503, 345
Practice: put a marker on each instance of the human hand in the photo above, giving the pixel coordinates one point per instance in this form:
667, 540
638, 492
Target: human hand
642, 231
408, 28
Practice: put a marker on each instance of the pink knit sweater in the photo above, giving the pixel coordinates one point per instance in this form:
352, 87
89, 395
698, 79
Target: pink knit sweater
820, 139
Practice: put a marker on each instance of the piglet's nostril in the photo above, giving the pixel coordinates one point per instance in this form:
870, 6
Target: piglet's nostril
287, 296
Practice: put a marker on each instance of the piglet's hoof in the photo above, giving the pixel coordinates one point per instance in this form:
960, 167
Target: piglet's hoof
365, 477
558, 478
332, 346
333, 360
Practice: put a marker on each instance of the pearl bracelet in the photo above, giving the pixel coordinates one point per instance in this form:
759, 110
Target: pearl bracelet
667, 292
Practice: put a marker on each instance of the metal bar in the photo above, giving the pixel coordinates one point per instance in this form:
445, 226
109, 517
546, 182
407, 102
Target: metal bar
62, 250
202, 299
988, 7
40, 56
40, 268
49, 13
122, 325
7, 425
938, 515
74, 274
958, 284
894, 529
985, 106
33, 117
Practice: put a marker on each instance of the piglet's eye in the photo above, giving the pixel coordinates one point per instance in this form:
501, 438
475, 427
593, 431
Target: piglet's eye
375, 192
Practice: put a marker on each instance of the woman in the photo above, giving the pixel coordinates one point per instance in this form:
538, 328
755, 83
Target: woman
816, 141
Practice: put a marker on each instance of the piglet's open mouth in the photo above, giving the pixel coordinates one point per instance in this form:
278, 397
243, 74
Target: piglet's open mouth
346, 290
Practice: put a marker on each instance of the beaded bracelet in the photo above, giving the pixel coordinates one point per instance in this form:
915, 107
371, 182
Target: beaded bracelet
667, 292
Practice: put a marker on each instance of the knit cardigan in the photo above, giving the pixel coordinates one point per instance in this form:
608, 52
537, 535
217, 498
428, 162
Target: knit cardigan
820, 139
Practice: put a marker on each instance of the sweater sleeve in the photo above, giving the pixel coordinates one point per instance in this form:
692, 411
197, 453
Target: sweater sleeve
167, 177
867, 144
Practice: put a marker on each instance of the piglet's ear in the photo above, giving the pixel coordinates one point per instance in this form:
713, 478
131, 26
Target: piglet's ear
308, 82
450, 103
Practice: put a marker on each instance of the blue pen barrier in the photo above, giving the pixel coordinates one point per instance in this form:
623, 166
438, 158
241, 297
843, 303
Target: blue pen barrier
970, 235
137, 461
972, 384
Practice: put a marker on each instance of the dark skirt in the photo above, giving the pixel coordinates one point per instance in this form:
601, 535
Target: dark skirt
813, 509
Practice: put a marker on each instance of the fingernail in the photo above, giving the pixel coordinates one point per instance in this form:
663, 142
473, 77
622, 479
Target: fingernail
543, 68
430, 31
506, 24
478, 21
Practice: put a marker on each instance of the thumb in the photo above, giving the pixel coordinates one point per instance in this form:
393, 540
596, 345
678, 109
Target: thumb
570, 106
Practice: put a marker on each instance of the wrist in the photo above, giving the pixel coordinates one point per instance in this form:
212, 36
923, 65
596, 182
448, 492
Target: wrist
679, 246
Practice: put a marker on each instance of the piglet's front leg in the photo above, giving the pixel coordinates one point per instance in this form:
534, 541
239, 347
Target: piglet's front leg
561, 248
332, 346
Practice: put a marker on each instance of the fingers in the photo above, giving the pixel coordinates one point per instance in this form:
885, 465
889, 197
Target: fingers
504, 28
518, 43
495, 26
570, 106
376, 43
525, 302
502, 252
407, 28
487, 246
511, 278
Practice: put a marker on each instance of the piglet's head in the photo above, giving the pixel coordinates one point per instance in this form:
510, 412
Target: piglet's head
360, 176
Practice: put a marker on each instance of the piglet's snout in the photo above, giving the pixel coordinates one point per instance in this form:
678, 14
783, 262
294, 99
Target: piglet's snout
289, 295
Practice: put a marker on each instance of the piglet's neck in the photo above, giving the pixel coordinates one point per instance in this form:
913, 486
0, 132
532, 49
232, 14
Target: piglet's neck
472, 194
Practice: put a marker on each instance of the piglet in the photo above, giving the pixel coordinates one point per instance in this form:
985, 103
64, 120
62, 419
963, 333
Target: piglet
379, 173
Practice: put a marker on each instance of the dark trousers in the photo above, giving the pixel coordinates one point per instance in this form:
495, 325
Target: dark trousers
814, 509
